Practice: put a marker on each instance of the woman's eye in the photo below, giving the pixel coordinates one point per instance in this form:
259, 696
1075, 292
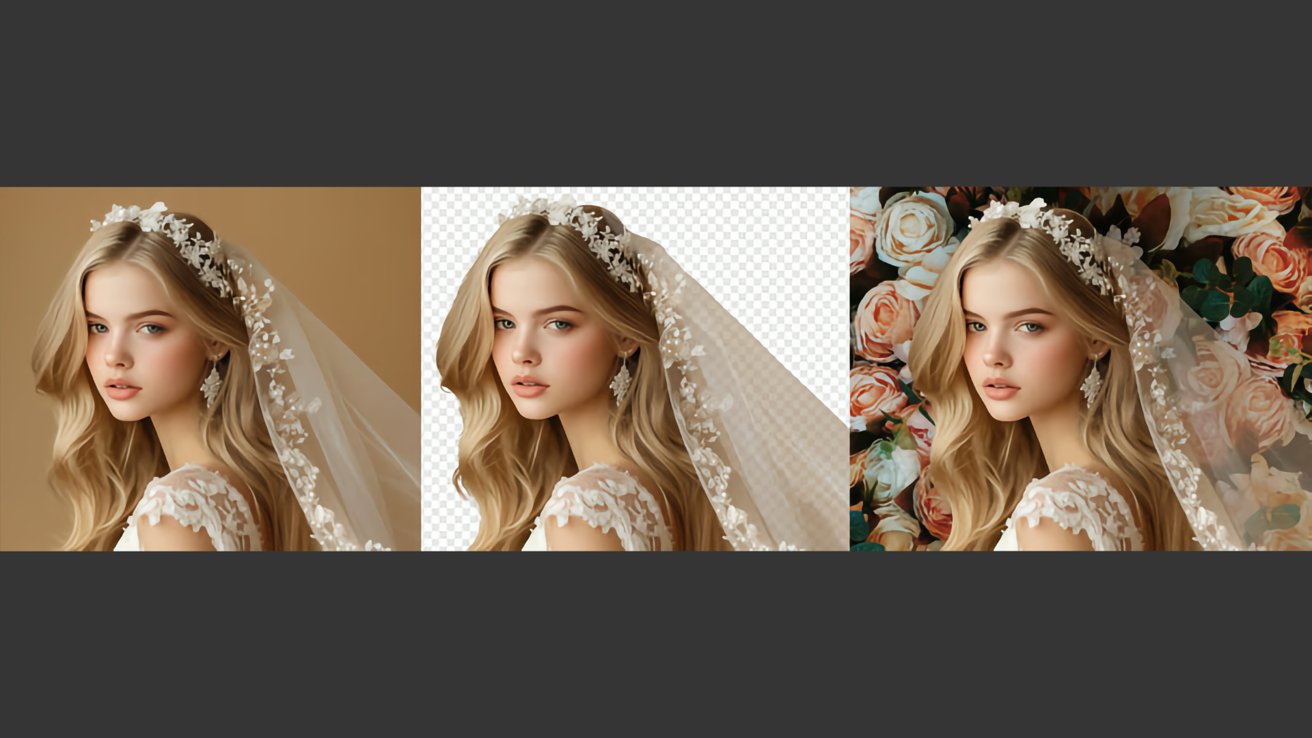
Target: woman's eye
152, 329
560, 325
503, 324
97, 327
974, 326
1031, 327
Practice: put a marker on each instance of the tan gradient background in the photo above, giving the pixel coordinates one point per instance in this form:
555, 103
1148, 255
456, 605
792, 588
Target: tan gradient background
350, 254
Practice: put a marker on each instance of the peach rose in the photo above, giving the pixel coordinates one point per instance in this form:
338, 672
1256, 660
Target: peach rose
1257, 412
1291, 337
912, 226
933, 510
1297, 538
1304, 300
1210, 433
918, 280
1221, 368
875, 393
1270, 488
896, 530
921, 430
1137, 198
1216, 212
856, 468
1278, 199
883, 319
861, 243
865, 201
1285, 267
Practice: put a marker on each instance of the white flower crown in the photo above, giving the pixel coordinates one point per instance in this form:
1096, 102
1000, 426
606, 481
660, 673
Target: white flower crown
610, 248
206, 257
1075, 246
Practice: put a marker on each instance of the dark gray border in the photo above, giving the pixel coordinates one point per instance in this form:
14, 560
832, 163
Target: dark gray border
876, 93
800, 643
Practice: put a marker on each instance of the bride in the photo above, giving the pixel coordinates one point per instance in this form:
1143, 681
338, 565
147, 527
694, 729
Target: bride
202, 407
609, 403
1072, 408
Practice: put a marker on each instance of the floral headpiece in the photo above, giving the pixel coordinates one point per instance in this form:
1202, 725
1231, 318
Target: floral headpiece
610, 248
206, 257
1075, 246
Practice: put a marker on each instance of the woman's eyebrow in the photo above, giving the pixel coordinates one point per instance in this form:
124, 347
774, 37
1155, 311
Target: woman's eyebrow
1014, 313
543, 311
135, 316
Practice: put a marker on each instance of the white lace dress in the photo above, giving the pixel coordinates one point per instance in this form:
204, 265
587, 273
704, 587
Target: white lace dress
1080, 501
200, 499
607, 499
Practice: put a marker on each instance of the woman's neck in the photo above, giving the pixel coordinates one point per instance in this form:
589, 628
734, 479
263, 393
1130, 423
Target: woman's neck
587, 429
179, 436
1058, 431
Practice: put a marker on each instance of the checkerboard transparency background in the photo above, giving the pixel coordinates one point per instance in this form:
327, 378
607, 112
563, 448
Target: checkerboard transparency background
775, 258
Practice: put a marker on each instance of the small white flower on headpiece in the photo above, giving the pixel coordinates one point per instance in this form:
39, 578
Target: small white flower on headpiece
610, 248
1077, 248
203, 256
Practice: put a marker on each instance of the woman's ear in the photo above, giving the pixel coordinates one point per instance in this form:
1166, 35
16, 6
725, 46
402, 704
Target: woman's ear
215, 350
626, 346
1098, 349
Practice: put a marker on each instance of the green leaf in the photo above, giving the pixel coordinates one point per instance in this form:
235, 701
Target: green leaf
1168, 271
1193, 296
1259, 294
867, 547
1283, 516
858, 526
1205, 271
1271, 518
1241, 305
1215, 306
1243, 270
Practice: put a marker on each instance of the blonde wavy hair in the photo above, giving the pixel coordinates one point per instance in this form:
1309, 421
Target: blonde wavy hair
101, 465
980, 465
509, 464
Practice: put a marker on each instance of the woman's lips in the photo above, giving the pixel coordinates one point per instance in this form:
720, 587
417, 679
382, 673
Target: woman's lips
1000, 391
527, 387
121, 391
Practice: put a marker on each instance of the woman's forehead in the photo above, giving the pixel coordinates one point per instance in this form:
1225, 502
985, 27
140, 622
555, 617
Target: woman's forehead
530, 283
122, 288
1001, 287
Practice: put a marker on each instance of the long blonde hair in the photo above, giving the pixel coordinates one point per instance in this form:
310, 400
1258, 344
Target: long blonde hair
509, 464
980, 465
101, 465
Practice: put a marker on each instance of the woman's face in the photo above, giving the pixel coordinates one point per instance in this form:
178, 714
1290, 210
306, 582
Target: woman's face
1022, 356
552, 353
144, 360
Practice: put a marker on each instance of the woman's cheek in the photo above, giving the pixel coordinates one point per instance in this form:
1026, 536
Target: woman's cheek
1054, 361
585, 356
175, 360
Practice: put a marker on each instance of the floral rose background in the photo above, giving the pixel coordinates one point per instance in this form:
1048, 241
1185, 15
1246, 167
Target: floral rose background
1241, 257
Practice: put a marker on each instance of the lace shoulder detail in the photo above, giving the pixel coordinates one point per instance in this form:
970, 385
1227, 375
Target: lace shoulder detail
199, 499
609, 499
1081, 501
